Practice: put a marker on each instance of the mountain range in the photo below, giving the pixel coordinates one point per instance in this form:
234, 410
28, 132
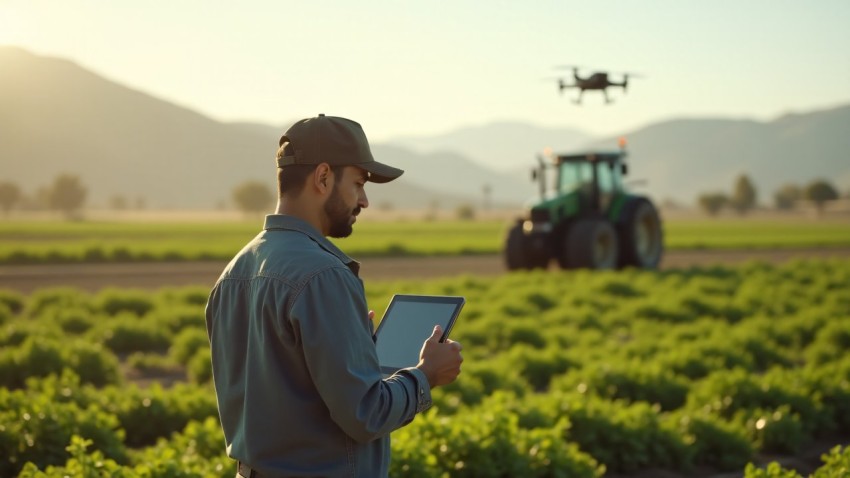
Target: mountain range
57, 117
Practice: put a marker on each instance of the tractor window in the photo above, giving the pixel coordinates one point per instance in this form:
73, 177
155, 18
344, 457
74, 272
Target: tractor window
608, 177
608, 174
576, 176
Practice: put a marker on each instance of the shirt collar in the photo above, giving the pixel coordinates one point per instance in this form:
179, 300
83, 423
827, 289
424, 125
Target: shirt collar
292, 223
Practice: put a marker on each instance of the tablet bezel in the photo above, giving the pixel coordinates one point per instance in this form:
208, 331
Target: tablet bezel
457, 301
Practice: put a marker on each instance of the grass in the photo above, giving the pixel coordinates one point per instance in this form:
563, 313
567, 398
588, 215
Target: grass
24, 242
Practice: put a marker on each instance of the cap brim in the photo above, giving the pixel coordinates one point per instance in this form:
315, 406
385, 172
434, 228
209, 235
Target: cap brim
380, 172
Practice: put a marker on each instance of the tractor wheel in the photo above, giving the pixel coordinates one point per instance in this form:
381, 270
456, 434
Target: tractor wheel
519, 253
590, 243
515, 257
641, 238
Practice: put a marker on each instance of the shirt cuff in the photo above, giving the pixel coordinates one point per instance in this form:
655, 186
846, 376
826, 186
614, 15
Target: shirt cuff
423, 388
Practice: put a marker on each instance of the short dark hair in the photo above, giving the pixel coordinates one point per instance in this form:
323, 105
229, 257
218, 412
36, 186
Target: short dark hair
291, 178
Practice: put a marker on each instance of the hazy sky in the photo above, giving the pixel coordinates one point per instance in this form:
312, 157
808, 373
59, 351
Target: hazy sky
404, 67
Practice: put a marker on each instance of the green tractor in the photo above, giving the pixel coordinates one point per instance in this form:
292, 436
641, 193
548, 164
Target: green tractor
588, 221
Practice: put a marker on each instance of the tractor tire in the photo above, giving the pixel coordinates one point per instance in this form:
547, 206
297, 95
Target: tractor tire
641, 236
519, 253
515, 257
590, 243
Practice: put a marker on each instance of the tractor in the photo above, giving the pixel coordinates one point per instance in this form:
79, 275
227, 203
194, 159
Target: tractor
589, 220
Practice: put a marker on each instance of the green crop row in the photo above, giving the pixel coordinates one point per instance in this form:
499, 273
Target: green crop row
565, 374
92, 242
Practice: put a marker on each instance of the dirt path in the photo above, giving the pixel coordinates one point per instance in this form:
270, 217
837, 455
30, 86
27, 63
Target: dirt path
93, 277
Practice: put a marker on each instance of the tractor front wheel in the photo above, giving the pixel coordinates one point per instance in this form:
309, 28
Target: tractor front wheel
515, 257
591, 244
521, 253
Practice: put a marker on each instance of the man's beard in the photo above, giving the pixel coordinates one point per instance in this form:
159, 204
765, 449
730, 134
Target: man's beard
339, 215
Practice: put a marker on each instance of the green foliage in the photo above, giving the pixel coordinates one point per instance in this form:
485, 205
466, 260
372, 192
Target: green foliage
836, 464
13, 301
24, 242
113, 301
565, 374
127, 333
187, 343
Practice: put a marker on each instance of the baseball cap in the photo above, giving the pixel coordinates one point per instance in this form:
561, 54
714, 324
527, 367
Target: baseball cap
333, 140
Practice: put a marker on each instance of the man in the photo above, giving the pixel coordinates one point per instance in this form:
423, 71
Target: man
299, 388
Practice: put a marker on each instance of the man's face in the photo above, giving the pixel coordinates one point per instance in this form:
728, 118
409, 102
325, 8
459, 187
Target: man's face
347, 198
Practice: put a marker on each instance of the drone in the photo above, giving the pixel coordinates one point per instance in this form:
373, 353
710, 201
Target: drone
596, 81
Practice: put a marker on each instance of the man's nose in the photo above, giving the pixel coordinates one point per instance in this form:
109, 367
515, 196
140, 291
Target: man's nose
364, 201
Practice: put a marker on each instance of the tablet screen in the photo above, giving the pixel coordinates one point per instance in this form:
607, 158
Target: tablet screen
407, 323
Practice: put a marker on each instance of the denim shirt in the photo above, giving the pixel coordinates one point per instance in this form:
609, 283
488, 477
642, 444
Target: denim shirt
296, 374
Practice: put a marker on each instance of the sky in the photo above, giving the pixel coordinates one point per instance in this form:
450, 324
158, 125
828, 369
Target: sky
404, 68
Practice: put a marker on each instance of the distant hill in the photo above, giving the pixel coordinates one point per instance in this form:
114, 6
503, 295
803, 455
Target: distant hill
57, 117
682, 158
502, 146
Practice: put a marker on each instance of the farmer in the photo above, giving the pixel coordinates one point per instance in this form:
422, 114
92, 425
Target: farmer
299, 388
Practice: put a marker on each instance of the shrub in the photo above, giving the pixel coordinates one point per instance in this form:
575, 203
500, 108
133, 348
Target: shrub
199, 367
13, 300
187, 343
115, 301
37, 429
128, 333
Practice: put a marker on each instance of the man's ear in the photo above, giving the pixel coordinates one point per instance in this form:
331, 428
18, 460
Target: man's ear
323, 178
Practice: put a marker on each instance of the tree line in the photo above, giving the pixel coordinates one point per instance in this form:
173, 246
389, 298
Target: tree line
744, 196
67, 195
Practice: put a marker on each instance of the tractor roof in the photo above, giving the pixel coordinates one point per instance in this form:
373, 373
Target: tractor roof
608, 156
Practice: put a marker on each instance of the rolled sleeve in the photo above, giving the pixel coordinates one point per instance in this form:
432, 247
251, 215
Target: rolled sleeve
330, 318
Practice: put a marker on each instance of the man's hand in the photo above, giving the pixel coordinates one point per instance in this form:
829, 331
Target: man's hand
440, 361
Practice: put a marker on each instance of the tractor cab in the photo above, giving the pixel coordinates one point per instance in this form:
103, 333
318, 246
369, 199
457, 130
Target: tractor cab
595, 178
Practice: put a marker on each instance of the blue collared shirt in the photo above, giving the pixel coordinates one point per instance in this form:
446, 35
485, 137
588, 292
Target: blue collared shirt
299, 388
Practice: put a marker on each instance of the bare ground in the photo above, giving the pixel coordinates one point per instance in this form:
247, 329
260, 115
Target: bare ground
93, 277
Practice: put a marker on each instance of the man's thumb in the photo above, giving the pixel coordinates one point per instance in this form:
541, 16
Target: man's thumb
436, 334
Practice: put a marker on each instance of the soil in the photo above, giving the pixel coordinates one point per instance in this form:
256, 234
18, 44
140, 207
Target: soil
93, 277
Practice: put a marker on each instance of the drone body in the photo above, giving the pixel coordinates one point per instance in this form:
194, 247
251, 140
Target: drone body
596, 81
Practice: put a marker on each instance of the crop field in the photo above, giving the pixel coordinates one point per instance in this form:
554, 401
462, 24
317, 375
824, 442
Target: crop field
566, 374
26, 242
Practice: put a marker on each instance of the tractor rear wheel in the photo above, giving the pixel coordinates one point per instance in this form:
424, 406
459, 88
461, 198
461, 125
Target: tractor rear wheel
590, 243
641, 237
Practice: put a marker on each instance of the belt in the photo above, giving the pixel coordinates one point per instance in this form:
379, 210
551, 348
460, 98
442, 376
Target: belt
245, 471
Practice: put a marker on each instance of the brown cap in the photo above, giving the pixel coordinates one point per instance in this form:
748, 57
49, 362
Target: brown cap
333, 140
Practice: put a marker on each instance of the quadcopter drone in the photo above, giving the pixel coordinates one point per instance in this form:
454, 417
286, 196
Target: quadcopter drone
596, 81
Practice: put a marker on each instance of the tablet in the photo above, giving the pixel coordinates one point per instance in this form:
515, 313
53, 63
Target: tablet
407, 323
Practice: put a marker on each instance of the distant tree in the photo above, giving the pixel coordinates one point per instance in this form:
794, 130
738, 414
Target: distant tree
786, 196
819, 192
465, 212
10, 194
744, 195
67, 194
253, 196
712, 203
118, 202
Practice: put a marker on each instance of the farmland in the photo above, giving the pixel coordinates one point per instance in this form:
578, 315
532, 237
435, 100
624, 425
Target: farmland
40, 242
694, 372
